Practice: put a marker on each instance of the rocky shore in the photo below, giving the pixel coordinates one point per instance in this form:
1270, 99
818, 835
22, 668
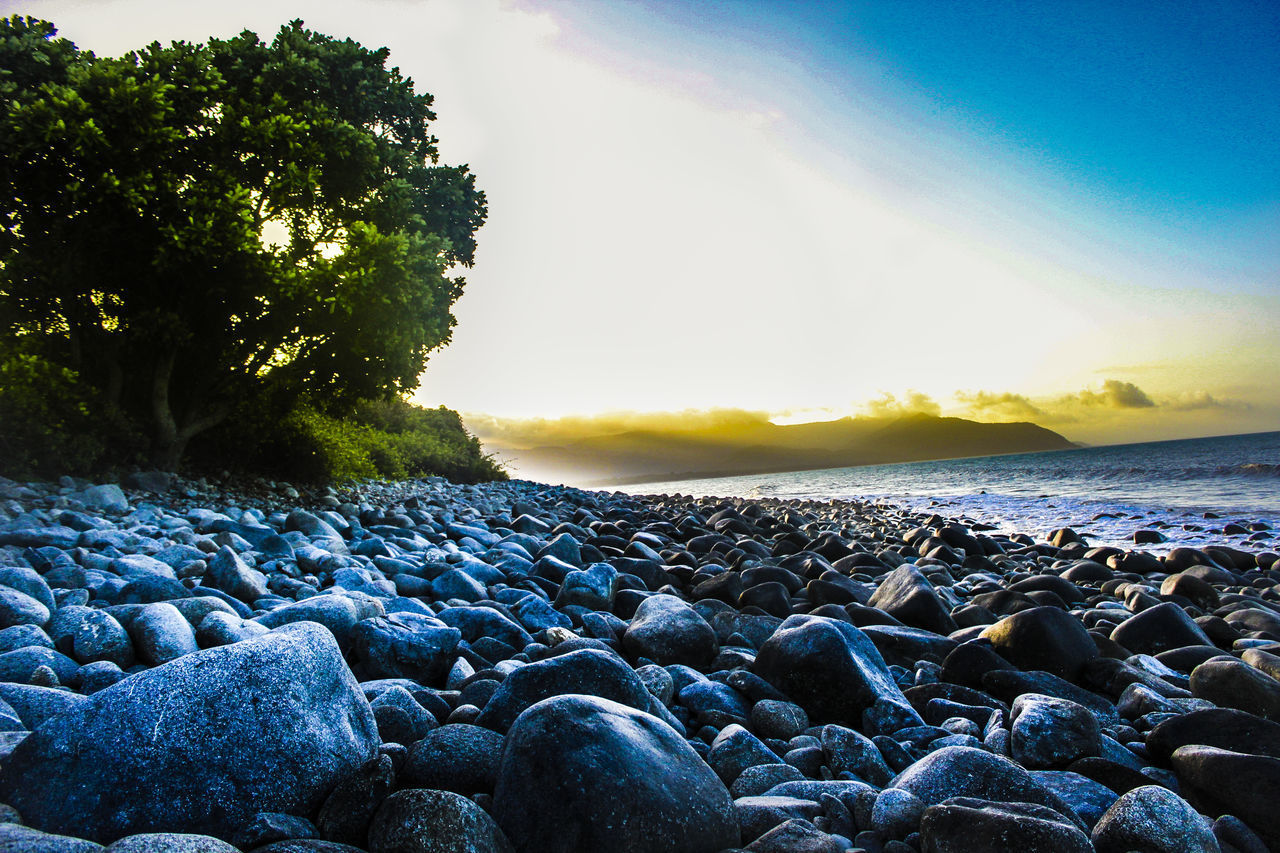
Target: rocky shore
430, 667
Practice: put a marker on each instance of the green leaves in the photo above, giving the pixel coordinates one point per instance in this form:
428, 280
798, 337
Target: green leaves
258, 215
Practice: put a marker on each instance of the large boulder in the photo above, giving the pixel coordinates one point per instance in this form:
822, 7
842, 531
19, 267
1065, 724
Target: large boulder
831, 670
200, 744
1158, 629
1234, 684
965, 825
585, 773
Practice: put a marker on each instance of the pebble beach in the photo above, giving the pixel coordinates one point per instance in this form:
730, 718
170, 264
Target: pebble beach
188, 665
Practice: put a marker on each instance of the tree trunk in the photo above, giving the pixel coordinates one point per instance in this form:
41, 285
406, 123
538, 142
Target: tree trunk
170, 442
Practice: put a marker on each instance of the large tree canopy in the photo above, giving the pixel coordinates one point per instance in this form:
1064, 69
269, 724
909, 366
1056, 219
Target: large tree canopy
191, 225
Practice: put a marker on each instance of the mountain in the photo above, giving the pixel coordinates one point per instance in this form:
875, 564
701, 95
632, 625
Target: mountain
760, 447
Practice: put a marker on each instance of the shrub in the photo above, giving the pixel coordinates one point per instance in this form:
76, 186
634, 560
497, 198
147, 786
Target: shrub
46, 428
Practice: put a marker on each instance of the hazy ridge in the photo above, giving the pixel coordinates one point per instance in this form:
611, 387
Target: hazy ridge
759, 447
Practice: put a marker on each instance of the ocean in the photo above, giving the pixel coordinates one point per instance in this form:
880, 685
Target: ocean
1104, 493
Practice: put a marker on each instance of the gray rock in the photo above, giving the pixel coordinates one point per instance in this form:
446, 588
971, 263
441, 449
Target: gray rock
35, 705
585, 773
161, 634
220, 628
18, 608
200, 744
99, 637
404, 645
108, 498
27, 580
850, 751
1154, 819
896, 813
20, 665
734, 750
1087, 798
170, 842
20, 839
350, 807
797, 836
958, 771
336, 612
426, 821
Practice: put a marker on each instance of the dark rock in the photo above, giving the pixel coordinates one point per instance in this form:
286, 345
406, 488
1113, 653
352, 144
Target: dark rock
349, 808
1153, 819
968, 825
666, 630
957, 771
734, 750
36, 705
456, 757
227, 572
20, 839
287, 719
907, 594
831, 670
1052, 732
18, 608
585, 773
850, 751
404, 645
1234, 684
1223, 728
425, 821
587, 671
1088, 799
1158, 629
170, 842
1044, 638
161, 634
269, 827
1218, 781
771, 718
759, 815
796, 836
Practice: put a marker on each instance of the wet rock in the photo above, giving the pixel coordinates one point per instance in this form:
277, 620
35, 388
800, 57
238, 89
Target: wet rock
958, 771
587, 671
1158, 629
1051, 732
425, 821
1222, 782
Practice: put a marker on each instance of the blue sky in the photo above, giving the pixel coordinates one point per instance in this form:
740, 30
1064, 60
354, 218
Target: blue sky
1158, 118
993, 209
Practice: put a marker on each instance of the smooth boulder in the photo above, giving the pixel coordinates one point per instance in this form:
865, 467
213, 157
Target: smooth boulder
201, 744
585, 773
832, 670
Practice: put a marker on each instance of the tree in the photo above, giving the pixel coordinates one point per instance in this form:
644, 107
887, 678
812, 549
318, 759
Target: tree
193, 226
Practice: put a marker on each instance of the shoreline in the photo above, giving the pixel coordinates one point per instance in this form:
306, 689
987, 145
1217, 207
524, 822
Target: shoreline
765, 673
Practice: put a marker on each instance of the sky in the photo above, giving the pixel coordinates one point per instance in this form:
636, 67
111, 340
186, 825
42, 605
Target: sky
1060, 212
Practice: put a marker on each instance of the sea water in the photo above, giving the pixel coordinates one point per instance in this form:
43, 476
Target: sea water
1189, 490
